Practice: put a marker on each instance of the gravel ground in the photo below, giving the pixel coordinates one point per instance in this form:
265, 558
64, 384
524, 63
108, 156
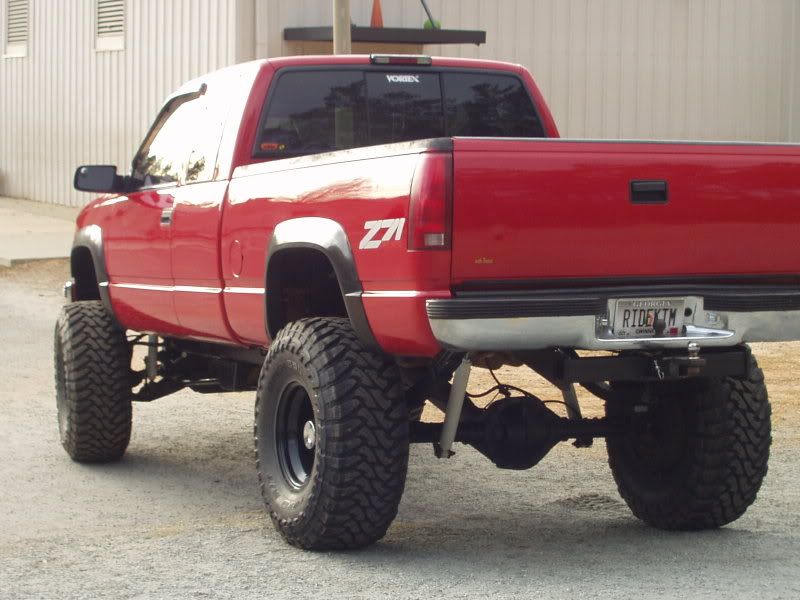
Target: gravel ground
181, 516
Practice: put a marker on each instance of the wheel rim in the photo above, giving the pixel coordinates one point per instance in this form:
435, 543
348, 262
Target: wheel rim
296, 435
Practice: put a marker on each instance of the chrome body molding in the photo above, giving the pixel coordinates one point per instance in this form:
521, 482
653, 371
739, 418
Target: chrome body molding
258, 291
395, 294
593, 332
192, 289
154, 287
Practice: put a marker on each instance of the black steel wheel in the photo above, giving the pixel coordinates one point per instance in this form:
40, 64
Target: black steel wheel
331, 436
694, 453
295, 435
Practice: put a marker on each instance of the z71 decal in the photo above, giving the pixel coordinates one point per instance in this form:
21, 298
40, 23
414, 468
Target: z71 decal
393, 227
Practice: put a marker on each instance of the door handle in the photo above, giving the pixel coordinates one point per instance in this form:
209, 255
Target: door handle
166, 216
649, 192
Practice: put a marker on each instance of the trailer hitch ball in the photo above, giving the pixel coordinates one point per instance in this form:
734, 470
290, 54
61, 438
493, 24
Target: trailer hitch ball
695, 362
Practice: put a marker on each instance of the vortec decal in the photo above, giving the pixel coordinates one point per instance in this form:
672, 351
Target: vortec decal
402, 78
393, 227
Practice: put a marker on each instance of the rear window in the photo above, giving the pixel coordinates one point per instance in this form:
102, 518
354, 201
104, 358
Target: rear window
404, 106
308, 112
312, 112
489, 106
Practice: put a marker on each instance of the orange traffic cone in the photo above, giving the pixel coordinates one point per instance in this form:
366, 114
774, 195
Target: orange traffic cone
377, 14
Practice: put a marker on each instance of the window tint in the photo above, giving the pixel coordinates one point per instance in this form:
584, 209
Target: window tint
320, 111
210, 112
404, 106
479, 104
185, 147
164, 160
315, 111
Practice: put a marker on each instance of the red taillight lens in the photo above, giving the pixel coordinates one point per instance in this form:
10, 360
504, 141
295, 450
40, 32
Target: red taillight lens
430, 206
399, 59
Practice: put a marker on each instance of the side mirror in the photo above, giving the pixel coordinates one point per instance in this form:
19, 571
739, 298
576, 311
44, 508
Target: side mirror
98, 178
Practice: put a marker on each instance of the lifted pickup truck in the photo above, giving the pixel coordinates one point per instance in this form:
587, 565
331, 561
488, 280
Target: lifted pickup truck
348, 236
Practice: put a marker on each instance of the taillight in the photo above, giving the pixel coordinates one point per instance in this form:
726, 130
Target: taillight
399, 59
430, 205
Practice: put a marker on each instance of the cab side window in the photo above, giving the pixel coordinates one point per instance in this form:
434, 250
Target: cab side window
164, 159
185, 144
209, 116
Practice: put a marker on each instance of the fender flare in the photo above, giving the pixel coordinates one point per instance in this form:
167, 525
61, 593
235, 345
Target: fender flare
328, 237
91, 238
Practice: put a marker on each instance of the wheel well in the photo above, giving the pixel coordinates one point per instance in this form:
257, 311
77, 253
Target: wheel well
83, 272
301, 282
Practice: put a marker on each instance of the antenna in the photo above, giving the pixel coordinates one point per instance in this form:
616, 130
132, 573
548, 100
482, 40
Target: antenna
430, 16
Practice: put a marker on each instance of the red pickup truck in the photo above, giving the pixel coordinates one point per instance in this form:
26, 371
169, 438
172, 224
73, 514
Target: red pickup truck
348, 236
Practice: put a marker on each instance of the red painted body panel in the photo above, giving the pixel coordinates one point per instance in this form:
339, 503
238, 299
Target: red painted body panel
196, 268
137, 251
562, 209
522, 211
400, 323
351, 193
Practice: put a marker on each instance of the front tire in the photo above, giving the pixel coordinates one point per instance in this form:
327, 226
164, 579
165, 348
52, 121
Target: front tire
93, 383
331, 436
696, 459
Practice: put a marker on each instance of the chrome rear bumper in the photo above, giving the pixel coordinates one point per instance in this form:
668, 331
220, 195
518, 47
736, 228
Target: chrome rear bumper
499, 324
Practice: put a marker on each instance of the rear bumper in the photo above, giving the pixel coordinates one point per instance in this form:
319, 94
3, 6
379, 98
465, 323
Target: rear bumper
582, 320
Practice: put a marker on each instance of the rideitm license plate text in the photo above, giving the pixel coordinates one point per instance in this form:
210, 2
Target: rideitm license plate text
649, 317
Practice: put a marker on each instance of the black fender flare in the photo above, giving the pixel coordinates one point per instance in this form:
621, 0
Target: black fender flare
91, 238
328, 237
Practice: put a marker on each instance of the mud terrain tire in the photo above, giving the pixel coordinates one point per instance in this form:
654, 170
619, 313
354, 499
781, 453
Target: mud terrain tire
331, 436
697, 460
93, 383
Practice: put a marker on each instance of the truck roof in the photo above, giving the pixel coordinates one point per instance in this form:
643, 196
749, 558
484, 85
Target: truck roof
364, 59
230, 72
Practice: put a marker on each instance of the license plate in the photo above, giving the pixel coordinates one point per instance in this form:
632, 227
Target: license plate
649, 317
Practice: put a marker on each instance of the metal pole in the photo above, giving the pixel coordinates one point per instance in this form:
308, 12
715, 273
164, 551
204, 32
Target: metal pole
428, 12
341, 27
452, 414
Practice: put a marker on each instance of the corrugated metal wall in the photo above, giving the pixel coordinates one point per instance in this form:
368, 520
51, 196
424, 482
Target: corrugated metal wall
681, 69
684, 69
66, 104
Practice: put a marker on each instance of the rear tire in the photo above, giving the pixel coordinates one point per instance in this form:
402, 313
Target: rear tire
93, 383
697, 458
331, 436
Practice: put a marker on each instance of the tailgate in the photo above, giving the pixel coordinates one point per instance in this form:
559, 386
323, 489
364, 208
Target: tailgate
528, 212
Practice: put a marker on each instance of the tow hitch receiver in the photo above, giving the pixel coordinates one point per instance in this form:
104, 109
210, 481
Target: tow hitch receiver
563, 367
